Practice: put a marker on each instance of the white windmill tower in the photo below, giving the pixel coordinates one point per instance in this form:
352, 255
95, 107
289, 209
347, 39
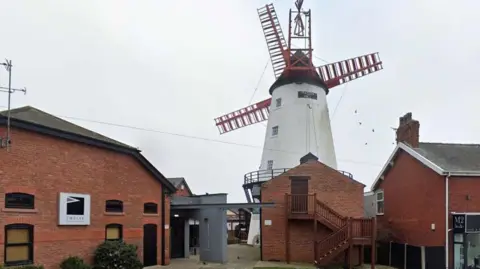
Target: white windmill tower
297, 112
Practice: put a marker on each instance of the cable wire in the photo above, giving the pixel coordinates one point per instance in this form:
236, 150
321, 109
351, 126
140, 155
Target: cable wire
193, 137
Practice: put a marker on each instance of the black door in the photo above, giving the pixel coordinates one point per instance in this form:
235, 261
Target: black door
177, 236
299, 191
149, 244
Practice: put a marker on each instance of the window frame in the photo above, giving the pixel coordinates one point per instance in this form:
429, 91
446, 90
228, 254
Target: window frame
150, 203
30, 244
20, 195
120, 232
110, 210
278, 102
270, 165
273, 130
380, 201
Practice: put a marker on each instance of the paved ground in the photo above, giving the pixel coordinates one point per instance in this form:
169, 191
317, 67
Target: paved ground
239, 257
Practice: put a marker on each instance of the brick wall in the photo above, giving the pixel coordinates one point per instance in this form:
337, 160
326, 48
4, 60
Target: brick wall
181, 192
414, 199
44, 166
336, 190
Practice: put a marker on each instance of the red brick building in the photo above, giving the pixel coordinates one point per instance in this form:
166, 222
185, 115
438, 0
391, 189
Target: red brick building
419, 189
311, 218
50, 158
182, 188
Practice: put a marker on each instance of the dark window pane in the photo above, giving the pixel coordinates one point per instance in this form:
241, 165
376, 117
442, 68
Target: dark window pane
19, 200
114, 206
150, 208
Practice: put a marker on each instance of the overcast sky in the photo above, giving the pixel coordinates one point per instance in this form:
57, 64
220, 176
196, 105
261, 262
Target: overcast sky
173, 66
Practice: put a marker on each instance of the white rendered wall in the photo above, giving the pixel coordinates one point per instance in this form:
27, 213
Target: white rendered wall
303, 127
254, 229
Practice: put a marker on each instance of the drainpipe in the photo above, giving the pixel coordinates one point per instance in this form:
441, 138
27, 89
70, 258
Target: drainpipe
447, 213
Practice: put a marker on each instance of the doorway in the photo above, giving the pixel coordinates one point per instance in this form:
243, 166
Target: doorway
299, 192
149, 244
177, 237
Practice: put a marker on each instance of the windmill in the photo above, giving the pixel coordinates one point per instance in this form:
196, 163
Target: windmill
297, 112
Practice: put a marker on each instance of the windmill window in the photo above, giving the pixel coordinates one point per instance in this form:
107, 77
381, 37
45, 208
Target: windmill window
269, 164
113, 232
114, 206
274, 130
150, 208
18, 244
278, 102
19, 200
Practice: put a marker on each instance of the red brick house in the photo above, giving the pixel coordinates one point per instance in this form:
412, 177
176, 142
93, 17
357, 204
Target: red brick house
318, 215
422, 189
65, 189
182, 188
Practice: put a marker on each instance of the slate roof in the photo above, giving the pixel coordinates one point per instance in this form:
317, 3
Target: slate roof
37, 116
452, 157
176, 181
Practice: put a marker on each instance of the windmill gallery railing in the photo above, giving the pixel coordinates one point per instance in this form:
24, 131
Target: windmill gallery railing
265, 175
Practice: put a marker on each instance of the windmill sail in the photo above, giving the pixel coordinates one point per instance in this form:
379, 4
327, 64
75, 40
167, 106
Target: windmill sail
274, 37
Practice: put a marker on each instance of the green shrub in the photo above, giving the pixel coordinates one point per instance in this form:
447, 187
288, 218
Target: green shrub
74, 262
116, 255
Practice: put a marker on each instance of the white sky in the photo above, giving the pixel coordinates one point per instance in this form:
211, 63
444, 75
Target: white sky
173, 66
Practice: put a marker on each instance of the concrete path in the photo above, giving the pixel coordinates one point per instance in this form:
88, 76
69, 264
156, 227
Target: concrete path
239, 257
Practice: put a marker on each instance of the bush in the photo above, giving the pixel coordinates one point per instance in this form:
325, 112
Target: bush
116, 255
74, 262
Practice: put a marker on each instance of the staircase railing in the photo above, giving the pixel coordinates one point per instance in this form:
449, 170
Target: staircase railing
329, 214
362, 227
301, 204
335, 239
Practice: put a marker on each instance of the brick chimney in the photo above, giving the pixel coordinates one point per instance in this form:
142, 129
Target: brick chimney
408, 130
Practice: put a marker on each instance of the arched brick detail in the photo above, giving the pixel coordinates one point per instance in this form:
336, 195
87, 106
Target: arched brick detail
114, 196
22, 189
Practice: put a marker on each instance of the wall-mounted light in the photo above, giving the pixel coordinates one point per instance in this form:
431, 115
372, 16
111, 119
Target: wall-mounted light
176, 215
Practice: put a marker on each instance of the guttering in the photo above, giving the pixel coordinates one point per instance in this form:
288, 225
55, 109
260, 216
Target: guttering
162, 262
462, 173
447, 214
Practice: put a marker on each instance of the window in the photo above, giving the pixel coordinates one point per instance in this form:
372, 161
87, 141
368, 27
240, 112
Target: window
18, 244
269, 164
19, 200
380, 203
278, 102
113, 232
182, 187
150, 208
114, 206
274, 130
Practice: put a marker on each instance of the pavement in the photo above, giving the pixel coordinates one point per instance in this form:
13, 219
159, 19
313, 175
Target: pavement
239, 257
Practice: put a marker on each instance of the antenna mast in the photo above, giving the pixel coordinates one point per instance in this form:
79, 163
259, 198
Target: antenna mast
5, 142
299, 29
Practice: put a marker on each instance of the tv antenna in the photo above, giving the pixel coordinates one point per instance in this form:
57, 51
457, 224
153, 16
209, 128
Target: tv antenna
5, 141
